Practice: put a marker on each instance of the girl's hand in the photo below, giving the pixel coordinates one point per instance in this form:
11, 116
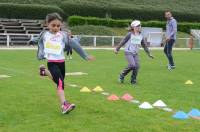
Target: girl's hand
91, 58
116, 52
167, 39
151, 56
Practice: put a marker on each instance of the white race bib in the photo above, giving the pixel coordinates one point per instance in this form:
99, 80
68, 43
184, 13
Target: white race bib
136, 39
52, 47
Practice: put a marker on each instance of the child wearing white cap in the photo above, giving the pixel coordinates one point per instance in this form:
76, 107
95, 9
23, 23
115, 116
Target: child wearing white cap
132, 41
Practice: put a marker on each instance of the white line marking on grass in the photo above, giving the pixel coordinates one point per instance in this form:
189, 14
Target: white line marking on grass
167, 109
4, 76
12, 70
18, 48
87, 48
75, 73
105, 93
73, 85
135, 101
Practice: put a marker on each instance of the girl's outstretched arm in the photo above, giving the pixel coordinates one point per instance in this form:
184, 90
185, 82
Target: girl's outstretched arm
146, 49
76, 46
39, 41
123, 42
35, 40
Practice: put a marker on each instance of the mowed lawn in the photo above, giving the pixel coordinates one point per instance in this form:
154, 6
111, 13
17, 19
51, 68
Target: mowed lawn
29, 103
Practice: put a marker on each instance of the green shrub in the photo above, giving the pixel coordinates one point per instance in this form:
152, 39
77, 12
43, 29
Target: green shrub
119, 10
91, 30
78, 20
73, 8
28, 11
183, 10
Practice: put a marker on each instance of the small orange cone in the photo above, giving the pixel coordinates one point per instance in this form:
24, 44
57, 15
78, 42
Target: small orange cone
127, 97
113, 97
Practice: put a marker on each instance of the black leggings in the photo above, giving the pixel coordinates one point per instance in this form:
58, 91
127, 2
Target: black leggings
69, 50
57, 70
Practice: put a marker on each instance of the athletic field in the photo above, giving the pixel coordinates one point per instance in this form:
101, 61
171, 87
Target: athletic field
28, 102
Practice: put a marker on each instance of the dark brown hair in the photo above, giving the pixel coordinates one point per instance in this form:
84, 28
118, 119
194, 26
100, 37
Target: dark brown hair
53, 16
168, 11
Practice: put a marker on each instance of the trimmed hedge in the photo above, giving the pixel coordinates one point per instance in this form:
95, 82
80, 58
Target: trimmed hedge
183, 10
83, 9
142, 12
28, 11
102, 9
92, 30
149, 13
78, 20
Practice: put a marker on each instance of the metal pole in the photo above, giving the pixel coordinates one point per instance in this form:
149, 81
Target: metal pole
113, 41
95, 41
8, 40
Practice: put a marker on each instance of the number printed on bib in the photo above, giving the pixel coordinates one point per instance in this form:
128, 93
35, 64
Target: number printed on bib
136, 39
52, 47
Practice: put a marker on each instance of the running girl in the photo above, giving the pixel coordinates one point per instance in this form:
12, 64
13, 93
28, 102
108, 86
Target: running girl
133, 40
51, 46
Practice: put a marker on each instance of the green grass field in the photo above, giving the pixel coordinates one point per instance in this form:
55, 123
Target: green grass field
29, 103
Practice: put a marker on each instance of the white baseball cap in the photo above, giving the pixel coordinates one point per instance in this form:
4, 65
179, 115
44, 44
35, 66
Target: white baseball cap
135, 23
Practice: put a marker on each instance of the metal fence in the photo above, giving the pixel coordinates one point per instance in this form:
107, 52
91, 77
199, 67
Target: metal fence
85, 40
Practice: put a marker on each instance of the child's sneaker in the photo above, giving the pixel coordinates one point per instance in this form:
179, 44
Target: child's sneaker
67, 107
133, 82
121, 78
170, 67
42, 70
70, 57
173, 67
